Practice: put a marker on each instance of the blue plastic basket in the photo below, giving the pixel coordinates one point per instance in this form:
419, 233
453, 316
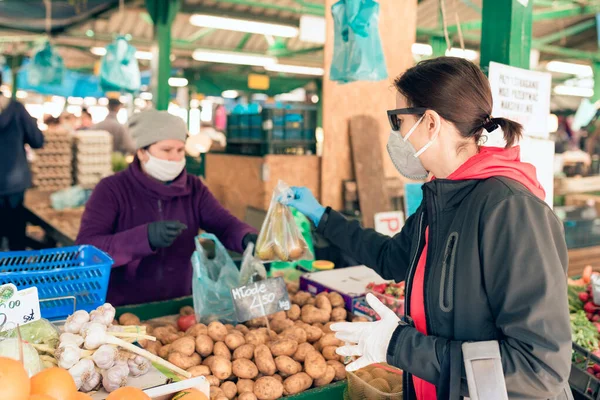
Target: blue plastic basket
79, 271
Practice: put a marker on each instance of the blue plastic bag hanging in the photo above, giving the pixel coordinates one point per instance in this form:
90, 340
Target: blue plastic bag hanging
46, 67
357, 51
119, 70
212, 282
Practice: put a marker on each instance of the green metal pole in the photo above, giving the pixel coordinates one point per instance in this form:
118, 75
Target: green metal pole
506, 32
163, 13
15, 63
596, 69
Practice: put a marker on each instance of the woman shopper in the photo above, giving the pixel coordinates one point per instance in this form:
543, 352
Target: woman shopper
147, 216
484, 258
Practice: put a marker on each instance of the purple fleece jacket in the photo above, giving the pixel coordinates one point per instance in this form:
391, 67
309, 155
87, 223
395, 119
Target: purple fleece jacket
116, 221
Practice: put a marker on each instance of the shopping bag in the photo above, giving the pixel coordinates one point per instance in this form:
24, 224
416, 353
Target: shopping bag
213, 279
357, 50
46, 67
279, 238
119, 70
252, 269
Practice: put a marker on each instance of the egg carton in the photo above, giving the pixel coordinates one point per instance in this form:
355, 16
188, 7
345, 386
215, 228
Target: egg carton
93, 137
53, 175
94, 151
83, 159
49, 151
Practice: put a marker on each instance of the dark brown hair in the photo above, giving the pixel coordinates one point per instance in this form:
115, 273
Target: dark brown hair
459, 92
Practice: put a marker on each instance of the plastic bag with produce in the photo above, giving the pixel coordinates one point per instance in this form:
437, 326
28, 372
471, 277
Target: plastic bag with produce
279, 238
215, 275
252, 269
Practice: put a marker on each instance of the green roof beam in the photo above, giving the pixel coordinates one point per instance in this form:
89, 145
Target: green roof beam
569, 53
242, 43
292, 53
571, 30
301, 9
199, 34
596, 70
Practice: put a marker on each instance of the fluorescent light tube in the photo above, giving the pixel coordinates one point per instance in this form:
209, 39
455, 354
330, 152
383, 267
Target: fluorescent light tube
295, 69
241, 25
573, 91
178, 82
233, 58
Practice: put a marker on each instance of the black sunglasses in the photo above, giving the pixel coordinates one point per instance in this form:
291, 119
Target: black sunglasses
393, 115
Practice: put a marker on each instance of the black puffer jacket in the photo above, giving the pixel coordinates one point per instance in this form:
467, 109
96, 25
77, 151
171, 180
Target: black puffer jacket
496, 270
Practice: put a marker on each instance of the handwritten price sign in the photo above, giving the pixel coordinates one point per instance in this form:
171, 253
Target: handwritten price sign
260, 299
18, 307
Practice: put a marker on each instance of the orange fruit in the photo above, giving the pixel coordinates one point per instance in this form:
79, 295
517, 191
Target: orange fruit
128, 393
14, 380
190, 394
54, 382
40, 397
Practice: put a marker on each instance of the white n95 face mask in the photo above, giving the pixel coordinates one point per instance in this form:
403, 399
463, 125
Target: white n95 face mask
405, 157
163, 170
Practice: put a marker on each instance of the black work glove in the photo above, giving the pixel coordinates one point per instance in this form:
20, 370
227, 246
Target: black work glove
162, 234
249, 238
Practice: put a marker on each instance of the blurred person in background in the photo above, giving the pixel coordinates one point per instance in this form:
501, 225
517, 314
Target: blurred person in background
68, 121
86, 120
147, 216
122, 142
17, 129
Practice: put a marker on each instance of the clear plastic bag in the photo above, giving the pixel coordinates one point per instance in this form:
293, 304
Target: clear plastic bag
252, 269
119, 70
357, 50
279, 238
212, 282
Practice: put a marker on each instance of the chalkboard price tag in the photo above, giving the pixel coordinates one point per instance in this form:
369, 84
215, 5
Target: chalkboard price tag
260, 298
18, 307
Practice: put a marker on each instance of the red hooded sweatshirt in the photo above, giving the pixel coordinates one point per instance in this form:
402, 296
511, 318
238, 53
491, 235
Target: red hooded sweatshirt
489, 162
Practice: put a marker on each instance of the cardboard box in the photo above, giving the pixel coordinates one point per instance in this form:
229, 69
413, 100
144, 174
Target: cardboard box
350, 282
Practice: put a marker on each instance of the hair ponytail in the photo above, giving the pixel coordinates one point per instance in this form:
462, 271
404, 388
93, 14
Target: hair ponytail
512, 130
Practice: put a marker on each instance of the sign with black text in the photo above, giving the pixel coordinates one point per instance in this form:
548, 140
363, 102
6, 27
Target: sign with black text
18, 307
260, 299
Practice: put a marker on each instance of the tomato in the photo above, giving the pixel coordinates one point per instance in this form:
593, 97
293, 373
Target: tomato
186, 321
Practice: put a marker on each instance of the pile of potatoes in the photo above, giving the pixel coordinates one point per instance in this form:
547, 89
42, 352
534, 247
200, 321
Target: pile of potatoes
250, 361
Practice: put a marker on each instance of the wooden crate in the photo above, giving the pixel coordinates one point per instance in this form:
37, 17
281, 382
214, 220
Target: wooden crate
579, 258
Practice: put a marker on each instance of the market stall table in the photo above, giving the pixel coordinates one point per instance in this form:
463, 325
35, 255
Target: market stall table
60, 227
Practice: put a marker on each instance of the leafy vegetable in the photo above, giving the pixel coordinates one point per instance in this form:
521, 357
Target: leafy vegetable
10, 348
38, 332
583, 331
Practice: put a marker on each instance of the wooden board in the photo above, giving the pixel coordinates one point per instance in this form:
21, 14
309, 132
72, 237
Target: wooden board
397, 28
368, 168
564, 186
579, 258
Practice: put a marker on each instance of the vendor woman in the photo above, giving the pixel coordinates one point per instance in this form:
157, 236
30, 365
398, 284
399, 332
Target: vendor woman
147, 216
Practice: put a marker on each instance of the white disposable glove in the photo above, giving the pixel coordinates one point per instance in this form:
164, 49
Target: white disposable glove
370, 339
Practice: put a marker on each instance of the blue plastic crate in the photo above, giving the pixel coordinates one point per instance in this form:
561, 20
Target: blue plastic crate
80, 271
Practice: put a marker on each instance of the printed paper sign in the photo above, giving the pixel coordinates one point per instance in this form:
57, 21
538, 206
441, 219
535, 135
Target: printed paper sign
522, 96
18, 307
260, 299
389, 223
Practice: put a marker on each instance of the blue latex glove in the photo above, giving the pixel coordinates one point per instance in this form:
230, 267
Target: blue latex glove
305, 202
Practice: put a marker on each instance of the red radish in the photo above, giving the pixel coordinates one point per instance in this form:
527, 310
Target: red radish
598, 375
596, 318
589, 315
590, 307
597, 325
584, 296
596, 368
590, 371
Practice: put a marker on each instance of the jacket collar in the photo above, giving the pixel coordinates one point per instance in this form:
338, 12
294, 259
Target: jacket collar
154, 189
448, 193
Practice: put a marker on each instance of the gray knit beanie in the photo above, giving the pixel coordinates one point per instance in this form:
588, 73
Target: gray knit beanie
151, 126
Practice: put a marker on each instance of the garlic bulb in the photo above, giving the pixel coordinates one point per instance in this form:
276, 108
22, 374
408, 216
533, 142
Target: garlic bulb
123, 358
82, 371
138, 365
115, 378
76, 321
94, 334
104, 314
67, 337
68, 354
105, 356
92, 383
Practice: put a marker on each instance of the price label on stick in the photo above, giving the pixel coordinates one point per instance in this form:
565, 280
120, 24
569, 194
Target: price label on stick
18, 307
260, 299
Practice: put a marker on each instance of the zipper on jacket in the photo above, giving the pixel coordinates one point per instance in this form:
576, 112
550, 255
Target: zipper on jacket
411, 270
447, 281
160, 210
